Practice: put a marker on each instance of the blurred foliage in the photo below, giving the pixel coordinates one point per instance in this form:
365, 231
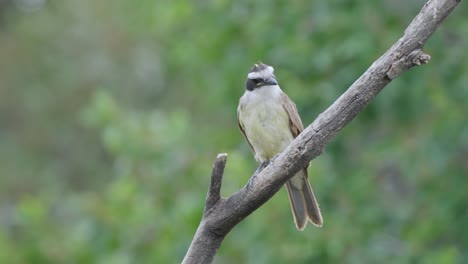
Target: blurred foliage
112, 113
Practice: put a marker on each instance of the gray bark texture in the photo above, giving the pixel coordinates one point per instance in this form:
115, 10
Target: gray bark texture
222, 214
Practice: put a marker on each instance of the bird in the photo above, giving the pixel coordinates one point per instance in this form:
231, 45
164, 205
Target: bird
269, 122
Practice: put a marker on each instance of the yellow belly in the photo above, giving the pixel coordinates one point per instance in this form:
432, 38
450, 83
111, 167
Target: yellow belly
267, 128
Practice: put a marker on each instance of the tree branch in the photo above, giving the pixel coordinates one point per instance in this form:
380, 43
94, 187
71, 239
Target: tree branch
221, 215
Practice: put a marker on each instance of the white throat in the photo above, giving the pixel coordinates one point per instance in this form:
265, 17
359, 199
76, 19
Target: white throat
264, 93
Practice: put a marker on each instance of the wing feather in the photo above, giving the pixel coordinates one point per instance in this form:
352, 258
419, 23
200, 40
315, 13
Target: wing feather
295, 122
241, 126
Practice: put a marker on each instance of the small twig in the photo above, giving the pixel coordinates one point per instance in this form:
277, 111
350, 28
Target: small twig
415, 58
214, 191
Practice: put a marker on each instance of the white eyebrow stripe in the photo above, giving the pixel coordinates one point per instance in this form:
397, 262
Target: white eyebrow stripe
260, 74
255, 75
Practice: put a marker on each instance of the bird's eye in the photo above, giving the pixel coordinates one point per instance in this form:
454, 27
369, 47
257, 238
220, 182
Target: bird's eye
257, 80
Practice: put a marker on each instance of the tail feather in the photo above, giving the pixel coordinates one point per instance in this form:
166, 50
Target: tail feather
303, 203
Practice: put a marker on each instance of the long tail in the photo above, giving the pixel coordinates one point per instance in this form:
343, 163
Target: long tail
303, 203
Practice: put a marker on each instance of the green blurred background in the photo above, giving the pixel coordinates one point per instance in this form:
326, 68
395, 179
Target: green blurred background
112, 112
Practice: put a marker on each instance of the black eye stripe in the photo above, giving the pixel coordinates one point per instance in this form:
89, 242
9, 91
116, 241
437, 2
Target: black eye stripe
251, 84
257, 80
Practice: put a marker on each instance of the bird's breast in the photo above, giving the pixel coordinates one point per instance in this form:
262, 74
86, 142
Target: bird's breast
266, 125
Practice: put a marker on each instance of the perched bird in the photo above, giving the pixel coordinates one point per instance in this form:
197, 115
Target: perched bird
269, 121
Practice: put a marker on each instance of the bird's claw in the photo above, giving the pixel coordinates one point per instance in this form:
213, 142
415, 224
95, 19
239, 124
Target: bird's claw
263, 165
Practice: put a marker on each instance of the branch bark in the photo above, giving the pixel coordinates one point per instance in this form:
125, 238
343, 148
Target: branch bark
222, 214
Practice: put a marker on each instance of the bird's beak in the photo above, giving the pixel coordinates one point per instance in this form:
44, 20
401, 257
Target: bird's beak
270, 81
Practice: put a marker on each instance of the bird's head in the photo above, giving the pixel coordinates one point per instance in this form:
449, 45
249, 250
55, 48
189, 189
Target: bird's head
259, 76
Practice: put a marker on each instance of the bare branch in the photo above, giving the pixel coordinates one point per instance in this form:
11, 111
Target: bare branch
224, 214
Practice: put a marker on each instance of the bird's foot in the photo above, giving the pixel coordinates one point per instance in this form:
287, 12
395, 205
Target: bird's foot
259, 169
263, 165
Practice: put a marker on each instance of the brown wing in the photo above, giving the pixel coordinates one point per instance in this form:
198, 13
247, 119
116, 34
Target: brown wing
295, 123
241, 126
